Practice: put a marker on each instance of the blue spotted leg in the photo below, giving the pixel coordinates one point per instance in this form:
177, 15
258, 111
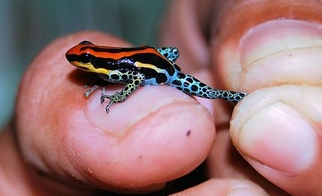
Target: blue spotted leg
193, 86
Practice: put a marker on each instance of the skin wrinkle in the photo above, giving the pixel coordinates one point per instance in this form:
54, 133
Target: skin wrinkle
314, 116
253, 64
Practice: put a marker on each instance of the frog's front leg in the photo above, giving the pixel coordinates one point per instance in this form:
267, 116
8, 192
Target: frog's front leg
133, 81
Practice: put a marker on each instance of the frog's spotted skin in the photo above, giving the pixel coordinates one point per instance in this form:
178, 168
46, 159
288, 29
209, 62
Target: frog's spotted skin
135, 81
140, 66
171, 53
193, 86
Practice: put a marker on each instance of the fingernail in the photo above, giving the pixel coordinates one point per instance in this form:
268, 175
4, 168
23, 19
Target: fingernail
281, 50
245, 192
133, 111
96, 112
120, 116
246, 188
278, 137
277, 36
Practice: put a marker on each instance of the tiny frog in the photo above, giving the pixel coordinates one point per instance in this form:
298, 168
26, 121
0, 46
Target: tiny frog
140, 66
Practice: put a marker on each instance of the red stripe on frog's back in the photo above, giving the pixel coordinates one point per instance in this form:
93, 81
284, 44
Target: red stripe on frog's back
114, 53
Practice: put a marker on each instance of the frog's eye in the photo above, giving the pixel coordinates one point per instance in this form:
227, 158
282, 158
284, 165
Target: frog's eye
86, 58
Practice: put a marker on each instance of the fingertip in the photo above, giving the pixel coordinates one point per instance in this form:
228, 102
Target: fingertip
153, 135
276, 130
138, 106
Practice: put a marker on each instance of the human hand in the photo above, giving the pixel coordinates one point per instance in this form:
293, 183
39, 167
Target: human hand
271, 49
61, 149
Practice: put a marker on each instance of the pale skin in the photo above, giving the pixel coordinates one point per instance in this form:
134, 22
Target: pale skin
65, 144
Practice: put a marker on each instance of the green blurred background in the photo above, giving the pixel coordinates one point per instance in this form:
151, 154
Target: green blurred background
29, 25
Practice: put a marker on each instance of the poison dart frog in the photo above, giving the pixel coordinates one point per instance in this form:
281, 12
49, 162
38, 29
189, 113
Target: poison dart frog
140, 66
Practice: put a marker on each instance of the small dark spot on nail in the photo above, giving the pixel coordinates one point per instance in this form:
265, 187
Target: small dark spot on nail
188, 133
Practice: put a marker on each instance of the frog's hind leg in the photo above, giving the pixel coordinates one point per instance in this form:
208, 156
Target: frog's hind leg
193, 86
